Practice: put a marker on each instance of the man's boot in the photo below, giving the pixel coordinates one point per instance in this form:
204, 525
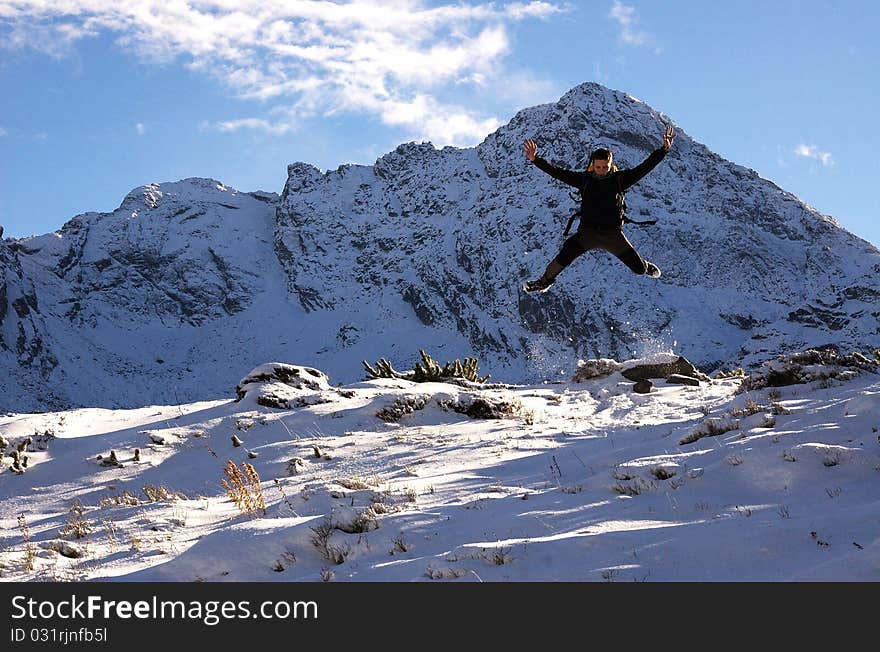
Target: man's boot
652, 270
547, 279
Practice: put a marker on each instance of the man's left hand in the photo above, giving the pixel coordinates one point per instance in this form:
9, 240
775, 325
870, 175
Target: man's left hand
668, 137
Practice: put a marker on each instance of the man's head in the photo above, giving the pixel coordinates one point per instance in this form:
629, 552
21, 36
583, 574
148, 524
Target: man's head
601, 162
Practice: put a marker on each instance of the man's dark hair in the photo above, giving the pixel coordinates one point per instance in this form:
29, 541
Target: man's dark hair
601, 154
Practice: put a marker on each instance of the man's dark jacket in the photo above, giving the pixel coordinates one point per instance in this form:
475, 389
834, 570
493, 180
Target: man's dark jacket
602, 197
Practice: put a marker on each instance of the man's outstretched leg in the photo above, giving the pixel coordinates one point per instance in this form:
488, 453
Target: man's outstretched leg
621, 247
571, 249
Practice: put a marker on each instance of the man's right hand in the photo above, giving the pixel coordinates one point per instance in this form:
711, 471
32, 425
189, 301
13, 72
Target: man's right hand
531, 149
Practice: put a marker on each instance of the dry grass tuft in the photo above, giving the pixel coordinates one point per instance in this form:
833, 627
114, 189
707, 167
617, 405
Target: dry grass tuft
710, 428
243, 487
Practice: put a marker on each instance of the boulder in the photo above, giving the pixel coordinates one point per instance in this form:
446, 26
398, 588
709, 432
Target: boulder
588, 369
643, 386
680, 366
295, 376
285, 386
681, 379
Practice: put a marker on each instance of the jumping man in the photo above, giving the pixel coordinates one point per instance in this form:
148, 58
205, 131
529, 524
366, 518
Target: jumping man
602, 187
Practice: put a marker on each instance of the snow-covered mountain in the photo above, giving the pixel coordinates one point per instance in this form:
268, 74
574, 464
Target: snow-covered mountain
187, 285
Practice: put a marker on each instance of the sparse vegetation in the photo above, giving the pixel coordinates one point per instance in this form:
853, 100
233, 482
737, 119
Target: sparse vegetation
618, 474
499, 556
111, 529
321, 534
355, 483
157, 494
403, 406
365, 521
243, 487
662, 473
634, 489
77, 526
486, 407
288, 558
284, 496
125, 498
777, 408
410, 494
608, 574
445, 573
30, 550
750, 407
428, 370
399, 545
735, 373
831, 457
710, 428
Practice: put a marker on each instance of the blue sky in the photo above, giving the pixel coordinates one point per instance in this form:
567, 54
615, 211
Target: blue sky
98, 97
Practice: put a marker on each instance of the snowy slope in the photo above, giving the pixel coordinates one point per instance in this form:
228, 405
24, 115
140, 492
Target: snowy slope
187, 285
579, 482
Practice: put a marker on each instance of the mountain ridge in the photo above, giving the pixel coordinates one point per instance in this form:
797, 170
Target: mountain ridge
188, 284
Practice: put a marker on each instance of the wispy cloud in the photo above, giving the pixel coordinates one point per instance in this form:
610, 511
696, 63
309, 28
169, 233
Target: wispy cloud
399, 60
139, 127
813, 152
257, 124
2, 132
627, 18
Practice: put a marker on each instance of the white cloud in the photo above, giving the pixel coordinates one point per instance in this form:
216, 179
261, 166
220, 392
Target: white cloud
139, 127
628, 20
393, 59
2, 132
811, 151
248, 123
523, 88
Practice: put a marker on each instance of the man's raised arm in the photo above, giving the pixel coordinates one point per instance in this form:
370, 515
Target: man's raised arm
572, 178
634, 175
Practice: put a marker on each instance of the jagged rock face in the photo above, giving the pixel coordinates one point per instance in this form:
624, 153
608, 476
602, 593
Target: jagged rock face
186, 285
22, 337
167, 252
748, 270
131, 307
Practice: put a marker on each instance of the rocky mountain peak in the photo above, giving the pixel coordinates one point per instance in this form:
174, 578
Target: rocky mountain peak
189, 284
